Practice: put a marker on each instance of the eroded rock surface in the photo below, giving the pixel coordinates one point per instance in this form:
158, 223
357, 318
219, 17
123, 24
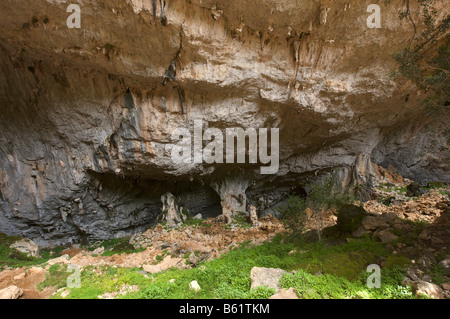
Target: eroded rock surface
87, 115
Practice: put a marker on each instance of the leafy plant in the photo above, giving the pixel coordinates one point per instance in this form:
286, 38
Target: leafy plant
427, 63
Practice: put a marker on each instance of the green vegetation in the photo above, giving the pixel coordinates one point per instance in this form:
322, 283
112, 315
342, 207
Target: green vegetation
329, 286
427, 63
116, 247
109, 46
239, 220
388, 187
322, 197
12, 258
56, 277
343, 268
438, 273
396, 261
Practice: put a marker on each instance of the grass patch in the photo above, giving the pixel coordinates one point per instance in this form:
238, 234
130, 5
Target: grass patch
56, 277
329, 286
10, 257
228, 277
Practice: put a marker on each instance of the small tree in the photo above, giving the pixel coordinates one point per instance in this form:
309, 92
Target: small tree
294, 216
427, 63
322, 197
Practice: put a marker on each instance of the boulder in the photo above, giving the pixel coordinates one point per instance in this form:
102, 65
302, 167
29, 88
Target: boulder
167, 263
414, 190
266, 277
285, 294
99, 251
26, 246
374, 222
385, 236
358, 233
12, 292
193, 285
426, 288
64, 259
350, 217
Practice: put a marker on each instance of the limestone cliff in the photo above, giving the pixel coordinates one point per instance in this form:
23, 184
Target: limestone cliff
86, 114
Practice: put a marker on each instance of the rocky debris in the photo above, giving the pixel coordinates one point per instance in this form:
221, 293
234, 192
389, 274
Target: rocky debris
65, 294
224, 218
124, 290
26, 246
98, 251
429, 207
12, 292
285, 294
209, 240
266, 277
388, 175
414, 189
193, 285
193, 259
72, 252
64, 259
167, 263
20, 276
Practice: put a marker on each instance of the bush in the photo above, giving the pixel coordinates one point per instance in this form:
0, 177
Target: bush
293, 215
322, 197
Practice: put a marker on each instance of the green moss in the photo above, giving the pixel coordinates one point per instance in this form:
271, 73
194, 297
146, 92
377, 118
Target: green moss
396, 260
347, 265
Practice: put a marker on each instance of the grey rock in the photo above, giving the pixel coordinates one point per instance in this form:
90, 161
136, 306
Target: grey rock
266, 277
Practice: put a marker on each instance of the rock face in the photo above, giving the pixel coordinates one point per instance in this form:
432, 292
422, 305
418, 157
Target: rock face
173, 213
87, 115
